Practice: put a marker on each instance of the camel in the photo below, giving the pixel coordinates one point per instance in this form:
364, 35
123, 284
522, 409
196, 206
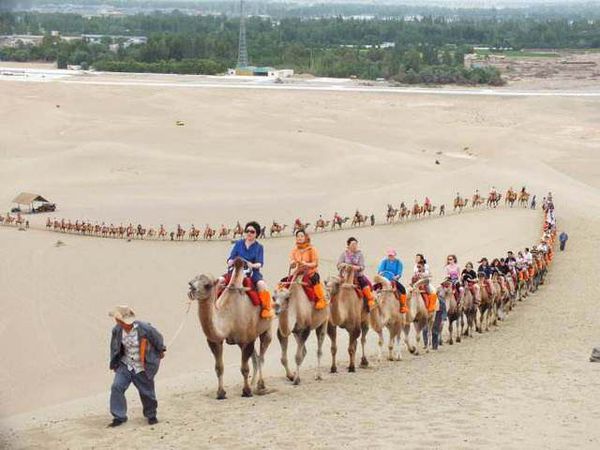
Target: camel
358, 220
429, 209
455, 311
498, 297
486, 307
494, 199
510, 291
194, 233
477, 200
321, 224
276, 229
232, 318
162, 233
129, 231
224, 232
417, 210
419, 316
298, 316
346, 311
299, 226
209, 232
338, 222
140, 232
523, 198
522, 284
460, 203
386, 314
510, 198
180, 233
238, 230
469, 306
390, 214
404, 212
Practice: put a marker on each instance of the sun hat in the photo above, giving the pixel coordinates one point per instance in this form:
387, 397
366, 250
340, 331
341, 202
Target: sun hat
123, 313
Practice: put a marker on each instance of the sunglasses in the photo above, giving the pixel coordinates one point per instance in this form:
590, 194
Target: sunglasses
250, 231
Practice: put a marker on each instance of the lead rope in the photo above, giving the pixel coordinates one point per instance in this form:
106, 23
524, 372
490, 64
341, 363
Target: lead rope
181, 324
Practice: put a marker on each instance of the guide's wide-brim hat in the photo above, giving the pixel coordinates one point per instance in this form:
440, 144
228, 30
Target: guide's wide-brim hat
123, 313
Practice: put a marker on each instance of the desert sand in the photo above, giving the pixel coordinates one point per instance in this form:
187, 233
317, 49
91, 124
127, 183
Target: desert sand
115, 153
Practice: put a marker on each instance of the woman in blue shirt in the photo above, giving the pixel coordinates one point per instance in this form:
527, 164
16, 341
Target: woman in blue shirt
252, 252
392, 268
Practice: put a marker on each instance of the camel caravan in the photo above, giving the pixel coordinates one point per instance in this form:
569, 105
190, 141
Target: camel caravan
237, 308
223, 233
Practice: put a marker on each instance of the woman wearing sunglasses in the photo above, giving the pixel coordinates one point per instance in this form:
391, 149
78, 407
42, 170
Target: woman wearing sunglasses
252, 252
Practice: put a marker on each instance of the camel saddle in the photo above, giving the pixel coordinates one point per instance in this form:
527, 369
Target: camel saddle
471, 286
488, 286
309, 289
379, 286
247, 282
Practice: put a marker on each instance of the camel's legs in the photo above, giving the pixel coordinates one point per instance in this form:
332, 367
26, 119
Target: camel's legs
364, 329
255, 366
217, 350
429, 326
418, 331
300, 351
321, 331
283, 342
451, 330
394, 341
247, 351
411, 348
390, 346
265, 341
398, 343
332, 333
352, 344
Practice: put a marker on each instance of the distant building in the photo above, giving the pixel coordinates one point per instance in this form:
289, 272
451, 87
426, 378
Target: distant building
126, 40
254, 71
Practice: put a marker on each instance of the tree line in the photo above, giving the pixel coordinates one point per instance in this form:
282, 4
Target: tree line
423, 50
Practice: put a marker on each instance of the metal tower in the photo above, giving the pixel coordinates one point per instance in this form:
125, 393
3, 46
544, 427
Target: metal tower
243, 49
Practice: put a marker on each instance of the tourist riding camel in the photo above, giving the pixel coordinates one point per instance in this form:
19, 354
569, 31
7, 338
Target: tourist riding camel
301, 305
387, 314
276, 229
452, 270
304, 264
422, 277
233, 318
252, 253
391, 268
347, 311
353, 256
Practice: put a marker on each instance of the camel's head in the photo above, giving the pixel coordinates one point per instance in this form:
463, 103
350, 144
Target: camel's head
332, 284
380, 279
346, 273
281, 298
201, 287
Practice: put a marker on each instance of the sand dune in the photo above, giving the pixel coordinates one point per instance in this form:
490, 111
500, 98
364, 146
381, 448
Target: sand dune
114, 153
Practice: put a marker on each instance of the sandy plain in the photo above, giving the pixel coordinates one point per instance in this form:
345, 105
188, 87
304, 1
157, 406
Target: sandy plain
114, 153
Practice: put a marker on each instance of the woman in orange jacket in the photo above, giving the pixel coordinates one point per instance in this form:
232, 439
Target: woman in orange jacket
304, 260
